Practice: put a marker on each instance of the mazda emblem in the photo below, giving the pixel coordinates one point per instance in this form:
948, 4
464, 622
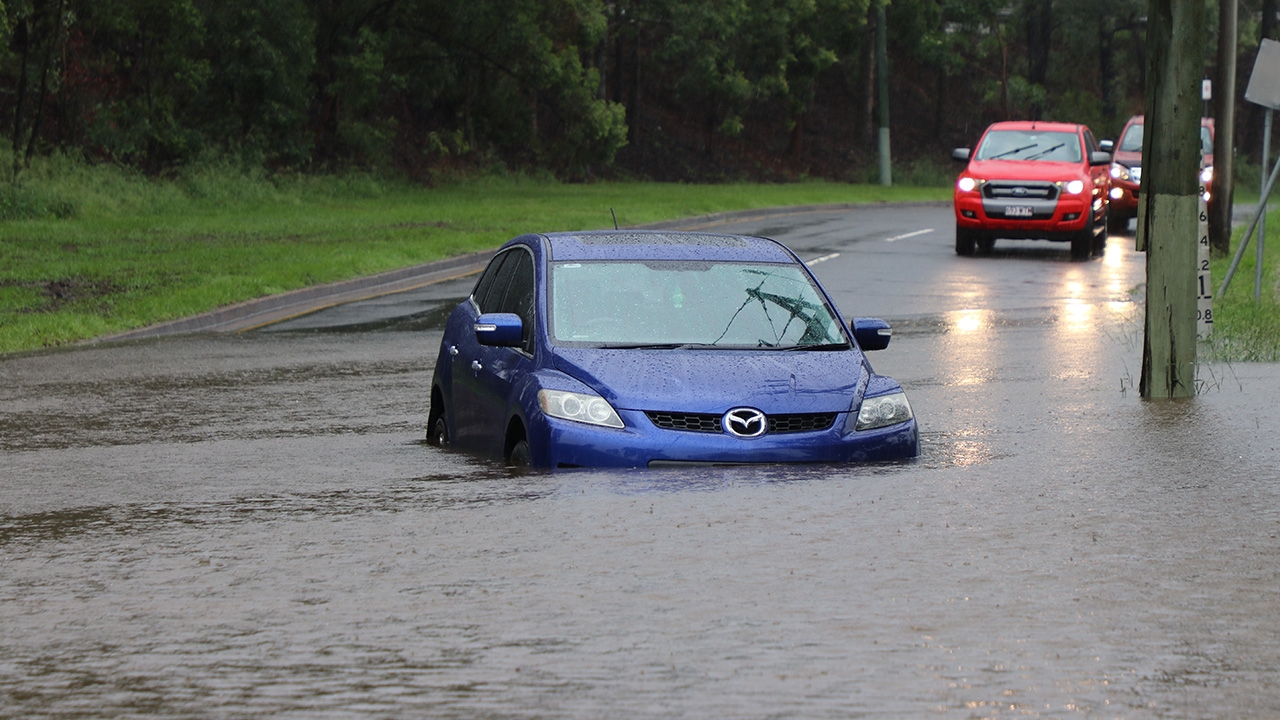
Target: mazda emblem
745, 422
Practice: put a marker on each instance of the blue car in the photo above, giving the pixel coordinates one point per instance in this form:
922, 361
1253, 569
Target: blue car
643, 349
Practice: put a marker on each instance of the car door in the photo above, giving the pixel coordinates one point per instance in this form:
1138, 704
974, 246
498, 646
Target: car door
465, 352
502, 367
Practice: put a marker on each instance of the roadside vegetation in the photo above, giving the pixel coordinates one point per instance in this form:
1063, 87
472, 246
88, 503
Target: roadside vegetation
91, 250
1245, 329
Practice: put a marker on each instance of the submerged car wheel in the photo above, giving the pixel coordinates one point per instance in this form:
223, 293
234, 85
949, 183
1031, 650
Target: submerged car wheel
986, 245
520, 457
437, 429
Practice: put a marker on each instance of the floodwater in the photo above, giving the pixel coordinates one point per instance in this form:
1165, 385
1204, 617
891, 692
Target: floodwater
251, 526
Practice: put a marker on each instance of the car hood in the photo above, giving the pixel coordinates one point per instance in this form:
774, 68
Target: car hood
713, 381
1026, 170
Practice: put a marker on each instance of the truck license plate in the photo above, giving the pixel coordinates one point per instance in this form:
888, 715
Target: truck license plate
1017, 211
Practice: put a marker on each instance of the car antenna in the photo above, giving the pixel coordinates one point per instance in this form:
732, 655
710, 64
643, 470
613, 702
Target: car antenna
615, 219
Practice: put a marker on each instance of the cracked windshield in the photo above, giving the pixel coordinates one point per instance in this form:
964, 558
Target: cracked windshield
726, 305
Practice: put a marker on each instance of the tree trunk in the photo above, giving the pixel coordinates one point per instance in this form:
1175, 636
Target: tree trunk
1168, 213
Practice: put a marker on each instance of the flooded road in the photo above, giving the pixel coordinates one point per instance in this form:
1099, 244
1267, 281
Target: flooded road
250, 525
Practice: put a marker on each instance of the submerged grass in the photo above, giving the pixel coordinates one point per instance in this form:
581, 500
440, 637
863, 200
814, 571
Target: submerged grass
87, 251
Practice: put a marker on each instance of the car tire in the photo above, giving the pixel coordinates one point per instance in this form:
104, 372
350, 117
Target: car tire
1117, 224
965, 241
520, 457
1082, 244
437, 428
1099, 245
986, 245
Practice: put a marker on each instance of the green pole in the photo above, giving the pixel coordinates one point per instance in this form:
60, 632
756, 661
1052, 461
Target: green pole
882, 83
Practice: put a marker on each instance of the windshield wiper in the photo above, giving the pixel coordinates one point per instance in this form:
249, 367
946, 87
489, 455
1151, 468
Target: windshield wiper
1042, 153
1014, 151
653, 346
825, 347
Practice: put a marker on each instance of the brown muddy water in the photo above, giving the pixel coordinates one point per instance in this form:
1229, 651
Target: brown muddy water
250, 526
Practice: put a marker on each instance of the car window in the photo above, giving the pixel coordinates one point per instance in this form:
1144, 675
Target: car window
1132, 140
481, 292
1206, 141
720, 304
1090, 145
518, 297
1054, 146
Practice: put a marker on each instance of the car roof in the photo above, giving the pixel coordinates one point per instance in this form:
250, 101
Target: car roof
664, 245
1035, 125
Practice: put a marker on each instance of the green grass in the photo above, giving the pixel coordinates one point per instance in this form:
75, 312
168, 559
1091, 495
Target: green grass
1245, 329
87, 251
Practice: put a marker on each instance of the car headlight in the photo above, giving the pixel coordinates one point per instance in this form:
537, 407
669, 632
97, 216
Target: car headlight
1206, 175
579, 407
1075, 187
1119, 171
967, 184
882, 411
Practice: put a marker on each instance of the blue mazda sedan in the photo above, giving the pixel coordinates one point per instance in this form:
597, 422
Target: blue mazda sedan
643, 349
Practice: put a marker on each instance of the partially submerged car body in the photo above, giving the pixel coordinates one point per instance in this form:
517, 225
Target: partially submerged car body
641, 349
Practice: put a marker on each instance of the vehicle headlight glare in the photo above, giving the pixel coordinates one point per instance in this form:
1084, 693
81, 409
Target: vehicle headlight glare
967, 184
1206, 175
1119, 171
1075, 187
579, 407
878, 412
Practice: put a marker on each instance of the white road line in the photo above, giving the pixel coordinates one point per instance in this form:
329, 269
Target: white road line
926, 231
822, 259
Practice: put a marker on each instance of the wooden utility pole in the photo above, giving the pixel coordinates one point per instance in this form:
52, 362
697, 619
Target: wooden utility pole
1224, 136
1168, 214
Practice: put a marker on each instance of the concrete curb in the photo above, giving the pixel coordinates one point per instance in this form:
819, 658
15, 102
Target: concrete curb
260, 312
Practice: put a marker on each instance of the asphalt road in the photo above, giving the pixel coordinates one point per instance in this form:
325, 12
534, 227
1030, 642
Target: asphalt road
236, 524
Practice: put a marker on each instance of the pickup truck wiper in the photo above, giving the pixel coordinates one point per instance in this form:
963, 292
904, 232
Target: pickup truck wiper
825, 347
1014, 151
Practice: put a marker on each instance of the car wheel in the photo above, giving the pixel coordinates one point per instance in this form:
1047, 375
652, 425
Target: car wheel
964, 241
437, 429
519, 457
1117, 224
986, 245
1099, 245
1082, 244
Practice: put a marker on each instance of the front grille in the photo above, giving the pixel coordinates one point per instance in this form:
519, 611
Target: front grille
801, 422
692, 422
1019, 190
708, 423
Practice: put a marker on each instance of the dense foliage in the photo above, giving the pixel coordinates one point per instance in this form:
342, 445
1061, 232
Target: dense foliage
667, 89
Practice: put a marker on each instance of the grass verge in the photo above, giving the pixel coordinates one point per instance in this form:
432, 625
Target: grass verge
1245, 329
87, 251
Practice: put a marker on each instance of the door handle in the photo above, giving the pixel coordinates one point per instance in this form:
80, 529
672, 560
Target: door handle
475, 365
453, 351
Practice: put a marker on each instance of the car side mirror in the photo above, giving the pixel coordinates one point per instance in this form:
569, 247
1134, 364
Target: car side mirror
499, 329
960, 155
1099, 158
871, 333
1107, 146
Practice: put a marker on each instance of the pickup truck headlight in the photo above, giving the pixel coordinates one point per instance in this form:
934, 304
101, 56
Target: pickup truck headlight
1075, 187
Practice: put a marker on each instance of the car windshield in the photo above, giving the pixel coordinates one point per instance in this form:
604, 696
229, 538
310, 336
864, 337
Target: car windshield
689, 304
1132, 140
1030, 145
